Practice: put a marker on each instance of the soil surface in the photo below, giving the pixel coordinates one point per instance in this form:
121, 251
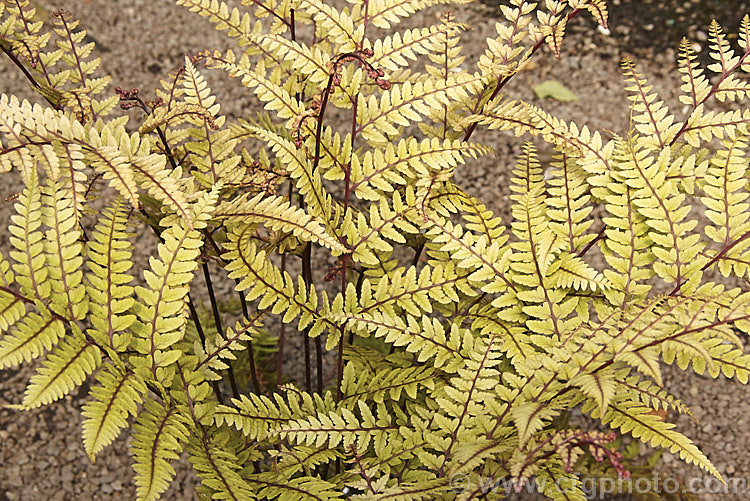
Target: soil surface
41, 455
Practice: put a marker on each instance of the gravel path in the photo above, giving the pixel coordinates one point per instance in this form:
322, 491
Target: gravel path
41, 455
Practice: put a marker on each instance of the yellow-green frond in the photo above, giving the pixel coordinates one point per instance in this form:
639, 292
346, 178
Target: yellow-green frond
160, 309
108, 282
216, 459
66, 367
115, 399
276, 214
651, 117
642, 423
27, 339
63, 250
159, 435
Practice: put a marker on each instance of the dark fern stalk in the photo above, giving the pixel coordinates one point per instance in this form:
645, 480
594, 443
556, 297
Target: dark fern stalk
218, 324
245, 314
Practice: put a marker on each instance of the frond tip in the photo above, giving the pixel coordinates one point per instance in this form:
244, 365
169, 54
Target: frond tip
159, 435
117, 397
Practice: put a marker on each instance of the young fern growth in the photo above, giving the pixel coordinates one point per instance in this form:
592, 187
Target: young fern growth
455, 358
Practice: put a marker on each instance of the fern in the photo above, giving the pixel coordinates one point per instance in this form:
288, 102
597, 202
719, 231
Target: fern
440, 339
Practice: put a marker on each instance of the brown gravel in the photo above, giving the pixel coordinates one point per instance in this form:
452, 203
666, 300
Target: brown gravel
41, 455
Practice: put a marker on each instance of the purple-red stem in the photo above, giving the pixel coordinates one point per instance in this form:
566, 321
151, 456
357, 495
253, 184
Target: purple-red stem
347, 190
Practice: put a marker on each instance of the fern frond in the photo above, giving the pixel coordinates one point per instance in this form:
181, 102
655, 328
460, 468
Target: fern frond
704, 126
726, 206
27, 339
599, 386
654, 196
256, 416
159, 435
12, 306
122, 159
175, 115
405, 104
307, 488
425, 488
275, 289
63, 250
488, 262
570, 486
446, 59
696, 87
113, 167
343, 427
108, 283
213, 352
307, 181
73, 172
384, 13
395, 51
298, 459
626, 249
499, 58
505, 114
568, 202
160, 310
338, 26
276, 97
27, 237
311, 63
648, 393
388, 383
488, 320
367, 234
468, 395
115, 398
729, 87
66, 367
478, 218
552, 25
573, 272
76, 55
424, 336
276, 214
728, 360
216, 461
236, 24
530, 417
211, 152
22, 33
643, 424
151, 173
379, 169
413, 292
651, 117
535, 258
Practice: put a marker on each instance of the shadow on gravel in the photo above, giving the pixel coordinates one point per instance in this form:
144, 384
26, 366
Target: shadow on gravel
653, 26
661, 24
